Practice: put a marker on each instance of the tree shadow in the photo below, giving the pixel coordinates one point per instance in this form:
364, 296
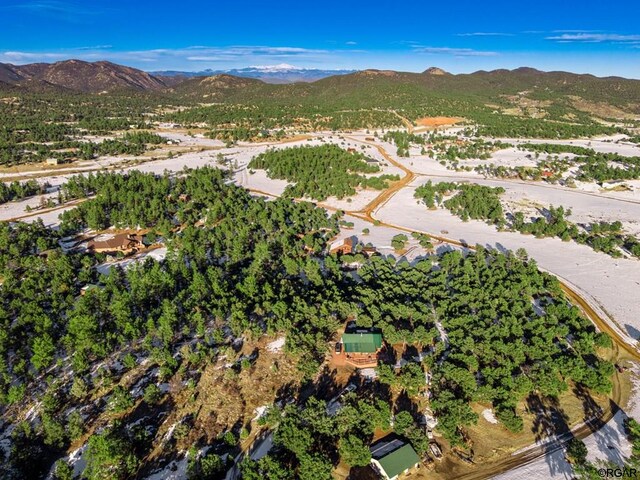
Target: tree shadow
325, 385
444, 248
465, 245
498, 246
404, 403
551, 420
550, 427
610, 435
632, 331
388, 355
287, 393
592, 411
410, 352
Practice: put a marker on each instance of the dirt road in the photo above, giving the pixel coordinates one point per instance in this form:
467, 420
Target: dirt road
619, 343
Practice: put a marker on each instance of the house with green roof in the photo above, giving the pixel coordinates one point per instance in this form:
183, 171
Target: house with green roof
360, 347
392, 457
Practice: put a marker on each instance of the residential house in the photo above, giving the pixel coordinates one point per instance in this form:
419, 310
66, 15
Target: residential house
392, 457
122, 242
360, 347
344, 247
369, 251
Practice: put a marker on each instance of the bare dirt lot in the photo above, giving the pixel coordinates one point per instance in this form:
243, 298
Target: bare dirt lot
437, 121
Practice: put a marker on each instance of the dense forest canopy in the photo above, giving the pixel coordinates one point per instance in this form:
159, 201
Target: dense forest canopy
318, 172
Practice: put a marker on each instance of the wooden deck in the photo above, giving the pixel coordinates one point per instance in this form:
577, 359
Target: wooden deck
358, 361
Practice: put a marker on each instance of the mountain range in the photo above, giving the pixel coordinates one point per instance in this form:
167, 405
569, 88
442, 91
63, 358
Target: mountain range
282, 73
386, 86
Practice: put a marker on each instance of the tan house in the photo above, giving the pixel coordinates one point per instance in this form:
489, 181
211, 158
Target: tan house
344, 247
122, 242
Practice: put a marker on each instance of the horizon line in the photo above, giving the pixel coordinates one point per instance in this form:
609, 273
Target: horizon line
328, 69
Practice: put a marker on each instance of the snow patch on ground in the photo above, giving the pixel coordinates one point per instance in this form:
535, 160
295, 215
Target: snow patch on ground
633, 409
488, 415
260, 411
261, 447
157, 254
607, 444
176, 470
276, 345
77, 460
593, 272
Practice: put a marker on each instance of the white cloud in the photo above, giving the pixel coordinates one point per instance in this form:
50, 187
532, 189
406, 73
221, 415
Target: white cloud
576, 31
69, 11
457, 52
485, 34
594, 38
235, 53
205, 58
30, 57
95, 47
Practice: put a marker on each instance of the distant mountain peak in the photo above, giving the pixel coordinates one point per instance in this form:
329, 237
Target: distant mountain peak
79, 75
281, 67
527, 70
435, 71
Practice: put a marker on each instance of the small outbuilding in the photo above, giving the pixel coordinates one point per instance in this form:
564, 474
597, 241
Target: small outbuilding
392, 457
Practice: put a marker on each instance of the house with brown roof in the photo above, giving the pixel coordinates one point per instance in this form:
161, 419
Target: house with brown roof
122, 242
344, 247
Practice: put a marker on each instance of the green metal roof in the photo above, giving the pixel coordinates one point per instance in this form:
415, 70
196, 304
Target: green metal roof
365, 342
399, 460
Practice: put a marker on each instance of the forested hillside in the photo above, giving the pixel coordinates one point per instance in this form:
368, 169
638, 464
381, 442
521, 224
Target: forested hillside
35, 127
37, 124
493, 100
322, 171
239, 268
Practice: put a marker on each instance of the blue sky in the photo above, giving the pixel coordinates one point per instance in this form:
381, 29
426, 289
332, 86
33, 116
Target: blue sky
585, 36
